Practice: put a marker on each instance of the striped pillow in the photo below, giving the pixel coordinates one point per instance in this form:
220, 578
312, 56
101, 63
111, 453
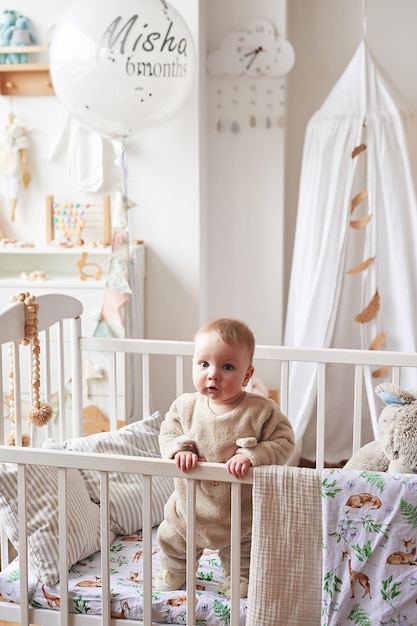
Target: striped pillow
137, 439
42, 515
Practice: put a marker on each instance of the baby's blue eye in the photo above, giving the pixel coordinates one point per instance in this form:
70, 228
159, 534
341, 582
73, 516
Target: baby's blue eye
229, 368
204, 364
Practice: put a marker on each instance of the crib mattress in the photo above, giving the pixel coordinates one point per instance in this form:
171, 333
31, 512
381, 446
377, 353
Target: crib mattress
212, 608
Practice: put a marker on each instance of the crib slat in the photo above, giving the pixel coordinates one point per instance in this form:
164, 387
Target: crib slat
191, 549
146, 402
321, 406
61, 380
113, 391
23, 547
357, 408
396, 371
283, 399
105, 547
76, 378
63, 547
17, 394
236, 534
46, 377
147, 549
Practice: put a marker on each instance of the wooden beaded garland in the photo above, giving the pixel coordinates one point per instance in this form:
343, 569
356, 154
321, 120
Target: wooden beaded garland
40, 413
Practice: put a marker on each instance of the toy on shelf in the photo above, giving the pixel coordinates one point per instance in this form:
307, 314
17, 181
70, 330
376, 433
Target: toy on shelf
82, 263
10, 242
69, 220
35, 275
7, 20
14, 166
19, 34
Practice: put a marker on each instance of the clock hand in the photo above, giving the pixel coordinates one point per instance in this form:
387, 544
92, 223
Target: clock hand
253, 50
254, 54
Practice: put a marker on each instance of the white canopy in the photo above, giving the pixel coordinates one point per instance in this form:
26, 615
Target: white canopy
357, 211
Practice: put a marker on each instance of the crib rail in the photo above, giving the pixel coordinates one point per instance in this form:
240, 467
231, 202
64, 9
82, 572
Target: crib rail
148, 468
360, 361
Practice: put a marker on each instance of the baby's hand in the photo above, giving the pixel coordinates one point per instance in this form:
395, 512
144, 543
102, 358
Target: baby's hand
238, 465
186, 460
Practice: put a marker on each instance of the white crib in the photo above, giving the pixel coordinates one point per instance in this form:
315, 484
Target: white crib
29, 600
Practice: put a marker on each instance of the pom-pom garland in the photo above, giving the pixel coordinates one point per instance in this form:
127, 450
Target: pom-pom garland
40, 413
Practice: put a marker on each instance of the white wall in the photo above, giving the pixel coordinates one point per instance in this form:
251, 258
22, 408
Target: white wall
244, 218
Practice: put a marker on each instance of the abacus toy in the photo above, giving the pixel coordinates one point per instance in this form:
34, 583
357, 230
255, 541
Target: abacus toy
68, 220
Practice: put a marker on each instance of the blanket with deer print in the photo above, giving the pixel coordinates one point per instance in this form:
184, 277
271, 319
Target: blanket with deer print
369, 548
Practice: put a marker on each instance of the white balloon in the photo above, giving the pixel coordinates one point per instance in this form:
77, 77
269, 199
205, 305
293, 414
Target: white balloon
121, 67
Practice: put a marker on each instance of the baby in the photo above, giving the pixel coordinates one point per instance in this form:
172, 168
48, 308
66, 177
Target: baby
221, 423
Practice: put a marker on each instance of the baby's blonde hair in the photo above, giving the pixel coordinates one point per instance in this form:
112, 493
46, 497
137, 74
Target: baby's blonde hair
232, 332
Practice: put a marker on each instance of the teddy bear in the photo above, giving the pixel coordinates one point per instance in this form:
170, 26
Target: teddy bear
19, 34
395, 449
7, 20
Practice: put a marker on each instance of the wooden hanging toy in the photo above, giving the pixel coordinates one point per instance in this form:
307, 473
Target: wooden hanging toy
40, 413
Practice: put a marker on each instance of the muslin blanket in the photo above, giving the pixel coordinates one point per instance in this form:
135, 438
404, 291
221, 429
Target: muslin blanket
286, 556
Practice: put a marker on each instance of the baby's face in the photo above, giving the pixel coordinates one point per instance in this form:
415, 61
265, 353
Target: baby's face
220, 370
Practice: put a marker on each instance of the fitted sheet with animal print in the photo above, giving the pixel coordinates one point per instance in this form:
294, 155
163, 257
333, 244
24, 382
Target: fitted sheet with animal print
212, 608
369, 548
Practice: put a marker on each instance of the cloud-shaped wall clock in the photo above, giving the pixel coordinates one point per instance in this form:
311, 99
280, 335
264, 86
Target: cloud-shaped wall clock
255, 51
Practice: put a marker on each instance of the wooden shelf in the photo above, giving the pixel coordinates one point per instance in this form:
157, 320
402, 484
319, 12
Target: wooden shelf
25, 79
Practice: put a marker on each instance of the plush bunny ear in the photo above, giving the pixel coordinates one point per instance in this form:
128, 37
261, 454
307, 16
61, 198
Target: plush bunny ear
392, 394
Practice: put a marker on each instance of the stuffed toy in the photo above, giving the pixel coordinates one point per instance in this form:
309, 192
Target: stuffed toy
19, 34
14, 165
395, 450
7, 20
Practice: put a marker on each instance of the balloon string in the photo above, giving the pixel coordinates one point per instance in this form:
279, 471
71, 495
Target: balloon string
123, 161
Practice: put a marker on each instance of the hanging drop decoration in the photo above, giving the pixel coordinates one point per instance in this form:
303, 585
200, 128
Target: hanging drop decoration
41, 412
281, 117
381, 371
252, 119
219, 110
358, 150
234, 126
268, 121
358, 224
378, 342
370, 311
247, 105
362, 266
360, 197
